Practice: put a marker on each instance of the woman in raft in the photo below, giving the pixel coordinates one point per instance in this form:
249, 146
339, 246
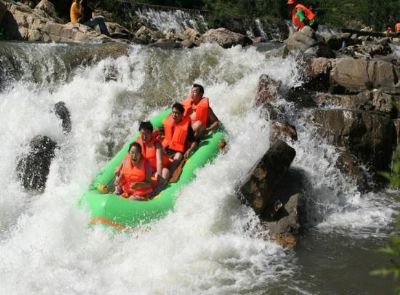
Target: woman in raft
133, 176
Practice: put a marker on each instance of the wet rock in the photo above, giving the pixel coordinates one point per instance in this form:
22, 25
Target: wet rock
301, 40
271, 169
146, 35
166, 44
368, 136
287, 225
282, 131
33, 168
267, 89
225, 38
339, 40
368, 49
355, 75
351, 166
317, 73
62, 112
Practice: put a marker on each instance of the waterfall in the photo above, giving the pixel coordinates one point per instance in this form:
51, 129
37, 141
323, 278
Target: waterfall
210, 244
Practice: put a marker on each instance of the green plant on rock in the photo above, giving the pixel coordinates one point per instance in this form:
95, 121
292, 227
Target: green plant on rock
393, 250
394, 175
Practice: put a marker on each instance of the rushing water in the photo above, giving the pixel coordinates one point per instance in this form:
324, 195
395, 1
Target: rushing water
210, 243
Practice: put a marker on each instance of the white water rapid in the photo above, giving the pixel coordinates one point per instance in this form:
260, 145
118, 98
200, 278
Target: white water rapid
210, 244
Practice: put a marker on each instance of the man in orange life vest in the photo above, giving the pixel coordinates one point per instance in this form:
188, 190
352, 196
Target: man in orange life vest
179, 139
301, 15
201, 114
133, 177
152, 151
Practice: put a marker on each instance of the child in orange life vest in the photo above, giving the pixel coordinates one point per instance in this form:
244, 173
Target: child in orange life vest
201, 114
152, 151
179, 140
133, 177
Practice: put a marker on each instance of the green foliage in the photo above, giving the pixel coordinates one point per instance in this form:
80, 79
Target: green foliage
393, 250
394, 175
352, 14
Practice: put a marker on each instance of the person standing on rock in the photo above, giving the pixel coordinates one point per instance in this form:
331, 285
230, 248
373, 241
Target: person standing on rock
81, 12
301, 15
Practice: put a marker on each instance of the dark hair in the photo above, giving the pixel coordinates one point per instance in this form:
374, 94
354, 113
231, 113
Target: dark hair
137, 145
179, 107
146, 125
201, 88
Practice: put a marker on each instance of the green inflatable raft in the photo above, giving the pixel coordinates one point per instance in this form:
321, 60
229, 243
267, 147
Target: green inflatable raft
113, 210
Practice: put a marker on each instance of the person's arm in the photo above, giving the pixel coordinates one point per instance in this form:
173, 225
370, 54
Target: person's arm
159, 163
193, 143
213, 119
192, 146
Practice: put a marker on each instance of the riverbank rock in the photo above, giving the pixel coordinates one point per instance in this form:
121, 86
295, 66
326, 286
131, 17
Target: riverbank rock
40, 24
225, 38
301, 40
354, 75
369, 136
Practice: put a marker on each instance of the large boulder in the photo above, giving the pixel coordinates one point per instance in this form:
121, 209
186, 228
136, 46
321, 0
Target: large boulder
33, 168
259, 189
301, 40
368, 136
225, 38
267, 89
287, 226
354, 75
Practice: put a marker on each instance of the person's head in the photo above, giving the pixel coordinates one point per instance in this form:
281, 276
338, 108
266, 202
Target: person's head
197, 92
177, 112
135, 151
146, 130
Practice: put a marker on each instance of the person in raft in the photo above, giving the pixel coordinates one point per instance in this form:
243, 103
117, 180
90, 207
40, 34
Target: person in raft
179, 139
81, 12
301, 15
133, 176
197, 107
152, 151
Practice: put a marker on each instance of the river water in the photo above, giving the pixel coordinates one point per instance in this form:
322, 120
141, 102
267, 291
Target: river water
210, 244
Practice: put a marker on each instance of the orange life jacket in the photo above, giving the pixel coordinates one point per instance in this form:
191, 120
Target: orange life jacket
175, 134
130, 174
201, 109
75, 12
307, 12
397, 27
149, 151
